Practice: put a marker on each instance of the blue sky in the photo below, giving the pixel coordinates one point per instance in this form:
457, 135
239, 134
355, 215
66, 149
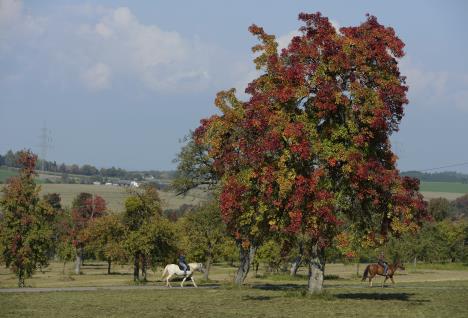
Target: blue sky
120, 82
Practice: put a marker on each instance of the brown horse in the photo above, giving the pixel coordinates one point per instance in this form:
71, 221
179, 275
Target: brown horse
376, 269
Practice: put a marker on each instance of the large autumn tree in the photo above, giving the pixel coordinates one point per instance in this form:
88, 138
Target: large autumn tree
309, 150
26, 225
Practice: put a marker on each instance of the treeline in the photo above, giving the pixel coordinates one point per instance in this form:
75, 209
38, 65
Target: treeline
35, 230
443, 239
10, 159
447, 176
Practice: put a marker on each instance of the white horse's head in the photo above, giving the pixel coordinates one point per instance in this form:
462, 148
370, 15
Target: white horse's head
197, 267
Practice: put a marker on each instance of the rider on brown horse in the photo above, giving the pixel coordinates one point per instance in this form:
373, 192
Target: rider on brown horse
383, 263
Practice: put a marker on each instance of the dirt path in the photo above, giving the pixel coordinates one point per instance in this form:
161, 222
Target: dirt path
66, 289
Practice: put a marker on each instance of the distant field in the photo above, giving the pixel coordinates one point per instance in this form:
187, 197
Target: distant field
5, 174
448, 187
115, 196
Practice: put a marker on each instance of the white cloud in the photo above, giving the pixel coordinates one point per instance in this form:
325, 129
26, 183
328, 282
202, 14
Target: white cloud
336, 25
92, 43
422, 81
97, 77
461, 100
284, 40
16, 25
162, 60
10, 11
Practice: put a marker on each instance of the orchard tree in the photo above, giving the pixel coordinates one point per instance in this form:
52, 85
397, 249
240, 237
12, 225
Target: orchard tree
439, 208
26, 224
154, 242
204, 233
460, 206
310, 149
104, 236
85, 208
150, 237
194, 167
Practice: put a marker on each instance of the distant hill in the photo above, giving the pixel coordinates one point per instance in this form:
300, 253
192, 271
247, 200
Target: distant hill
446, 176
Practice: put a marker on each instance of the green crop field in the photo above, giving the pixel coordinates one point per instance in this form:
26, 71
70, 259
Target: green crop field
449, 187
421, 293
6, 173
115, 196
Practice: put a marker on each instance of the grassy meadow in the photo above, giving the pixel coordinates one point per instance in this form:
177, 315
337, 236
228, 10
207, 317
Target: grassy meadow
6, 173
423, 292
115, 196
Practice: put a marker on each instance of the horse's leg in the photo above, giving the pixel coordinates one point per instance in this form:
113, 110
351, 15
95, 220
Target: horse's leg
370, 281
383, 284
183, 280
393, 282
167, 280
193, 282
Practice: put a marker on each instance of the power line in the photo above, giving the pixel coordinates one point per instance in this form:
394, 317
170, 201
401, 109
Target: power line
447, 166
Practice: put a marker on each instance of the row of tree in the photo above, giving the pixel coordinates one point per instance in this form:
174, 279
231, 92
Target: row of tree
34, 230
10, 159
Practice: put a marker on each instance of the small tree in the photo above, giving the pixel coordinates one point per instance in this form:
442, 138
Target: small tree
104, 236
150, 237
154, 242
85, 208
204, 234
25, 227
65, 252
439, 208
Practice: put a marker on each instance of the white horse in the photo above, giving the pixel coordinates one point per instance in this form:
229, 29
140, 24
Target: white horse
173, 269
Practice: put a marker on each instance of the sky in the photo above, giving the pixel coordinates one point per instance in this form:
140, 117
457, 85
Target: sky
120, 83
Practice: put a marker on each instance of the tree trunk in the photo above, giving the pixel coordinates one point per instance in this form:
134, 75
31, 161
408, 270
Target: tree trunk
316, 269
246, 257
136, 268
79, 260
143, 268
207, 267
21, 283
63, 269
415, 261
357, 269
295, 265
109, 262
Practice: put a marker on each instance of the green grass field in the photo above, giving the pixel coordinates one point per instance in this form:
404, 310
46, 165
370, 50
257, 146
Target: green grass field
449, 187
6, 173
115, 196
423, 293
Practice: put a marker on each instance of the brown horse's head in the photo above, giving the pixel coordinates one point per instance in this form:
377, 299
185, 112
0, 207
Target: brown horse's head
399, 265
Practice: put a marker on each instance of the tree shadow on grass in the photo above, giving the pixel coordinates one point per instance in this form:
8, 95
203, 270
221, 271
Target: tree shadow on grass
380, 296
279, 287
248, 297
119, 274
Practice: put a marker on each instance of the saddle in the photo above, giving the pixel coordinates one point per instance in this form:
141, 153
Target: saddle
188, 268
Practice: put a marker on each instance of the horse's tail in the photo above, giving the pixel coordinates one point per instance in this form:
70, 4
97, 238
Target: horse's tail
366, 273
164, 272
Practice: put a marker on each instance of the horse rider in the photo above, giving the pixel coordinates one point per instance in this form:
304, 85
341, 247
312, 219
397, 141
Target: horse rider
383, 263
182, 264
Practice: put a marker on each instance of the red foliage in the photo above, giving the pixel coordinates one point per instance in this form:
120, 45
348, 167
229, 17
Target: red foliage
316, 127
